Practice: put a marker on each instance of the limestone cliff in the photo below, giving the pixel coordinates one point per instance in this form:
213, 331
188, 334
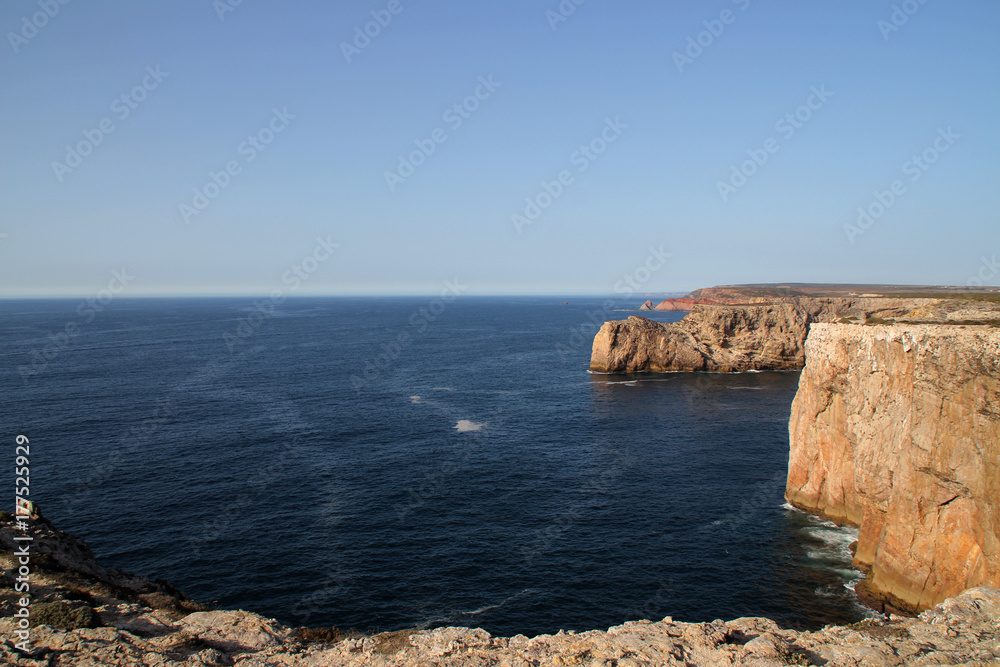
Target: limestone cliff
896, 429
732, 338
682, 303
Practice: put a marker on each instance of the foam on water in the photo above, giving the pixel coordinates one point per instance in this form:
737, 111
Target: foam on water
468, 426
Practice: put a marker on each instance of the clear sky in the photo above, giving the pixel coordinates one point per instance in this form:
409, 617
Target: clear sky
310, 117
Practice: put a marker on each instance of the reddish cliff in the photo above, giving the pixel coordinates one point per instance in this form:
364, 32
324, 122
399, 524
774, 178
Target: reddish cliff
896, 429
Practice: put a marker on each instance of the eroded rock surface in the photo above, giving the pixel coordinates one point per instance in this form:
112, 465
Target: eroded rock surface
961, 631
896, 429
768, 334
137, 628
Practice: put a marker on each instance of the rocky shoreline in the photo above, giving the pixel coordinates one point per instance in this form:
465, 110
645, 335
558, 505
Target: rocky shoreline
86, 615
894, 428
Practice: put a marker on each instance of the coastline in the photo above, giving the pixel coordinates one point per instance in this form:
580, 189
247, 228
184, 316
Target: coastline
100, 617
893, 429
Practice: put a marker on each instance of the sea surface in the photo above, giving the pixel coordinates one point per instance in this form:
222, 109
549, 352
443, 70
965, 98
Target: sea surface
382, 463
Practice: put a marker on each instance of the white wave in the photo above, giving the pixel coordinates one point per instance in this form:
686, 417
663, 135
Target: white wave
415, 399
839, 537
467, 426
459, 615
442, 389
476, 612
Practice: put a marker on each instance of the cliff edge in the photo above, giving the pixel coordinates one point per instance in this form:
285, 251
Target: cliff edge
734, 338
896, 429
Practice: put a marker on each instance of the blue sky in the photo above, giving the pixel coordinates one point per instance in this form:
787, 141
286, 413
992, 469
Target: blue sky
663, 132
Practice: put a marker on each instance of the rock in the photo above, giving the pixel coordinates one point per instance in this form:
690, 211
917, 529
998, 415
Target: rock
646, 306
233, 630
765, 335
64, 615
961, 631
896, 429
62, 553
683, 303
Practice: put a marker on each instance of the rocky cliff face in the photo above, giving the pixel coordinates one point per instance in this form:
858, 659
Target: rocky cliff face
896, 429
732, 338
79, 617
679, 303
961, 631
84, 615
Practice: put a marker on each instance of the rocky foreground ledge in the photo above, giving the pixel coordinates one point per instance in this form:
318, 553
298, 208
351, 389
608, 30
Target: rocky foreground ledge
83, 614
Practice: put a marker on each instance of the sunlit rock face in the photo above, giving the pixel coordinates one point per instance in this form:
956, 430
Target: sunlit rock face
896, 429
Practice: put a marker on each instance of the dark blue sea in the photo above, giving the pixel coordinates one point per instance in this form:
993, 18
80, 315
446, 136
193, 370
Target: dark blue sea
383, 463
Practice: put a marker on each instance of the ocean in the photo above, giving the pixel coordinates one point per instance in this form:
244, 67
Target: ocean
387, 463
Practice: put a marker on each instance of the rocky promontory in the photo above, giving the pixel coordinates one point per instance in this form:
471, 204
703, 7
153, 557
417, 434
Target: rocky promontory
755, 328
896, 429
84, 615
680, 303
733, 338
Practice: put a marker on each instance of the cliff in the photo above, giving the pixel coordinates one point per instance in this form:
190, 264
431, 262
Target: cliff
733, 338
78, 618
896, 429
682, 303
